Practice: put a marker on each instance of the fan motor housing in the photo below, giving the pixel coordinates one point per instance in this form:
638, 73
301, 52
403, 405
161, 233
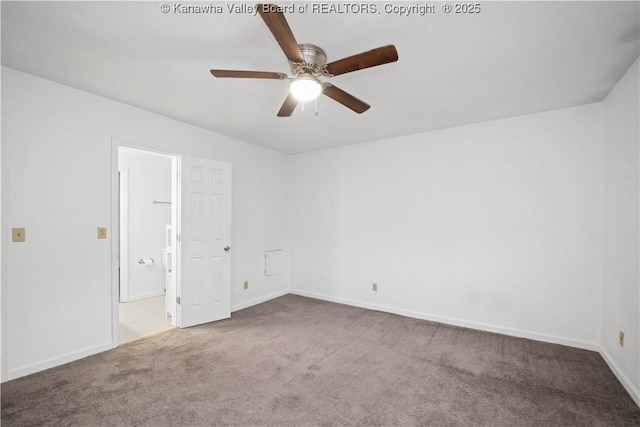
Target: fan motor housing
312, 54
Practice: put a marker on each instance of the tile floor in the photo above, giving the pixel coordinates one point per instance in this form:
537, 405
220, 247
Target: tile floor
143, 317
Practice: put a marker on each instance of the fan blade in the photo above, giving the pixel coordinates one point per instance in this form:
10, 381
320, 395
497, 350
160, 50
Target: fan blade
277, 24
345, 99
248, 74
370, 58
289, 105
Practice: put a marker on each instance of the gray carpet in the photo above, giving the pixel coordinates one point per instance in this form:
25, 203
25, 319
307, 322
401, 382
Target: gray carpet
295, 361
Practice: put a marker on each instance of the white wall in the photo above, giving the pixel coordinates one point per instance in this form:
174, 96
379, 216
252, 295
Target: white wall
621, 255
149, 179
499, 225
496, 225
56, 165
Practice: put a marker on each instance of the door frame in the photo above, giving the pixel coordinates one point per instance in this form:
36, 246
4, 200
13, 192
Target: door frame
176, 208
123, 234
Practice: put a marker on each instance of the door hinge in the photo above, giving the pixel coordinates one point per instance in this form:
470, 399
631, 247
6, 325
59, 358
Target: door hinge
178, 300
178, 237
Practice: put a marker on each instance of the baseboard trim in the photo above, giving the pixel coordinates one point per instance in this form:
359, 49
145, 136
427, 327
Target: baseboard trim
455, 322
259, 300
13, 374
620, 375
624, 380
146, 296
23, 371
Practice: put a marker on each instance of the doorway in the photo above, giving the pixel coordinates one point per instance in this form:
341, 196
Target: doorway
197, 242
147, 222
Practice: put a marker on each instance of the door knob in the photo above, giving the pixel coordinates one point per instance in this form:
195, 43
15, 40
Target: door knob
226, 248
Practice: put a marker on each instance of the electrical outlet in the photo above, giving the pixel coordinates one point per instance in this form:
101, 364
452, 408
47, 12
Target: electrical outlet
246, 284
374, 287
17, 234
102, 232
621, 339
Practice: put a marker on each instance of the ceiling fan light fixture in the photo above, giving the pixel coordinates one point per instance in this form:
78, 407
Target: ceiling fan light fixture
305, 87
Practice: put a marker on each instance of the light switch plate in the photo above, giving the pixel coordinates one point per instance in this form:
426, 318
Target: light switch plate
102, 232
17, 234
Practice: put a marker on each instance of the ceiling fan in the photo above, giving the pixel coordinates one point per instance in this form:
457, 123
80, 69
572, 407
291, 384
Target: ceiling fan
308, 64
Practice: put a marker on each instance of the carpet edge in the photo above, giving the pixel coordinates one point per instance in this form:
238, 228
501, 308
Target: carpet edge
259, 300
33, 368
552, 339
621, 376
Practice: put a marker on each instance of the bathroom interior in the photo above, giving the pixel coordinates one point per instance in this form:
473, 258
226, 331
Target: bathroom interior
147, 220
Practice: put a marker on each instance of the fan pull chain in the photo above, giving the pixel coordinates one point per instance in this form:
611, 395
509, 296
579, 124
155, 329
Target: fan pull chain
316, 106
302, 107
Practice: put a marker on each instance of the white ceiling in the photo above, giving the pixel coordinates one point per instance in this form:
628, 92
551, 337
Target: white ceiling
510, 59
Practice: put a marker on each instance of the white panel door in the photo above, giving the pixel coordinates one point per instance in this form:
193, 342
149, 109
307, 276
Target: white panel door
205, 240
